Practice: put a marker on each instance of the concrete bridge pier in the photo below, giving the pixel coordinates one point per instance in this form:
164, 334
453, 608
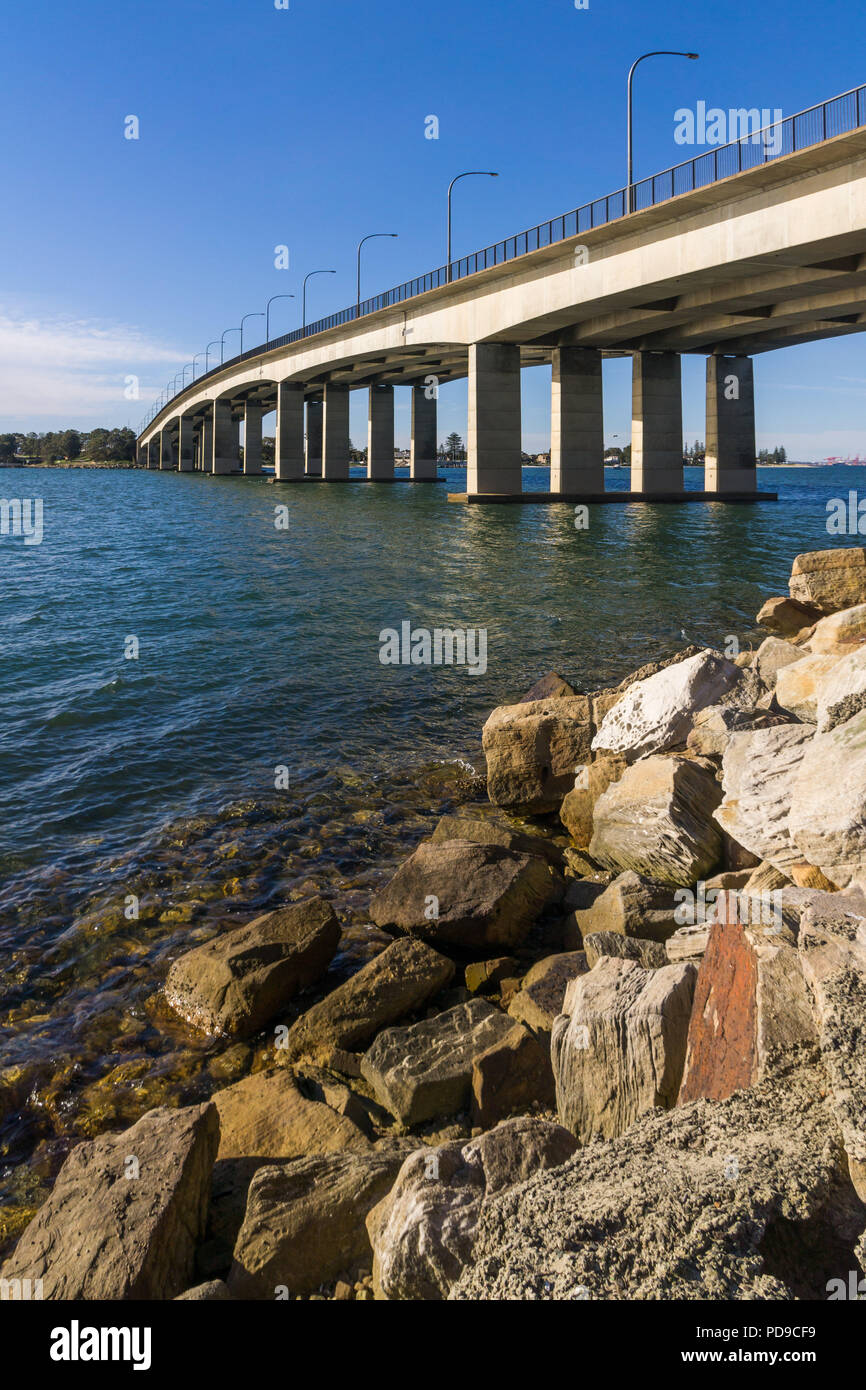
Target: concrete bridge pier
657, 423
206, 444
730, 441
577, 422
380, 433
422, 446
226, 438
185, 460
335, 433
153, 453
494, 442
166, 449
315, 420
289, 442
252, 438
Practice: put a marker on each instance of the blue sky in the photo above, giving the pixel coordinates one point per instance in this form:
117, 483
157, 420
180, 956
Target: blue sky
305, 127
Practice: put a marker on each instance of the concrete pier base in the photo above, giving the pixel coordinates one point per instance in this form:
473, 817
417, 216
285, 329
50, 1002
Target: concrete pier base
206, 444
380, 434
226, 439
576, 421
166, 450
252, 438
315, 424
185, 445
335, 433
494, 449
422, 446
730, 463
289, 442
657, 423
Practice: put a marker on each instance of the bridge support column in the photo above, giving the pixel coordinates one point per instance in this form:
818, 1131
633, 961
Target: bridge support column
253, 438
335, 433
730, 464
494, 454
166, 450
289, 443
153, 453
657, 423
226, 446
206, 444
185, 444
380, 432
576, 421
315, 413
422, 450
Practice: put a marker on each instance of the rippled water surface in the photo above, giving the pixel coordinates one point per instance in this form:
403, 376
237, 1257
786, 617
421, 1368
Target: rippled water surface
147, 786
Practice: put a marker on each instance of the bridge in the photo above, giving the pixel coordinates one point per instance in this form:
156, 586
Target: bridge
748, 247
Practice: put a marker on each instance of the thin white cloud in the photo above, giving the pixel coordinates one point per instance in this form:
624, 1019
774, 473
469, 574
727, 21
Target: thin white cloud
64, 371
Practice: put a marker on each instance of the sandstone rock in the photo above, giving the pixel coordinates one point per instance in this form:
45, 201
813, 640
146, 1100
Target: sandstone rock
765, 878
657, 820
305, 1222
485, 976
511, 1077
619, 1046
603, 701
772, 655
542, 991
266, 1116
550, 687
787, 617
494, 830
532, 750
465, 895
657, 714
425, 1069
650, 954
758, 774
833, 953
840, 633
841, 692
714, 726
829, 579
237, 982
213, 1291
126, 1212
629, 906
577, 808
422, 1233
827, 820
798, 685
751, 1015
395, 983
743, 1199
688, 943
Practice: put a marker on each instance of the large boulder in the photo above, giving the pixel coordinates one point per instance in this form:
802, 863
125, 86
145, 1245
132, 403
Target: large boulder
494, 829
772, 655
829, 579
842, 692
238, 982
657, 714
798, 685
305, 1222
787, 617
832, 948
551, 686
652, 955
714, 726
532, 750
422, 1233
512, 1077
827, 820
751, 1015
462, 894
576, 811
758, 773
619, 1046
425, 1069
266, 1116
657, 820
629, 906
126, 1212
839, 633
542, 991
396, 982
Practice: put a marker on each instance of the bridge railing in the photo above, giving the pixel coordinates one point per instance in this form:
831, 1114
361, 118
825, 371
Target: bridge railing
837, 116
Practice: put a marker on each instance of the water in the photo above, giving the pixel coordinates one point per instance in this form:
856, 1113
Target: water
147, 786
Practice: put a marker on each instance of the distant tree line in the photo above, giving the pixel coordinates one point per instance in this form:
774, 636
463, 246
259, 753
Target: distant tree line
776, 455
99, 446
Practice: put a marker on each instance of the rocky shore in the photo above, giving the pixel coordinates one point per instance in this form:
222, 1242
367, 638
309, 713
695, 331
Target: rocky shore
611, 1044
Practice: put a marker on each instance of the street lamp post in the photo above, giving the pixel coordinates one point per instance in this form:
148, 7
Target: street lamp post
194, 360
223, 342
371, 237
184, 372
243, 321
215, 343
470, 173
656, 53
268, 313
304, 297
